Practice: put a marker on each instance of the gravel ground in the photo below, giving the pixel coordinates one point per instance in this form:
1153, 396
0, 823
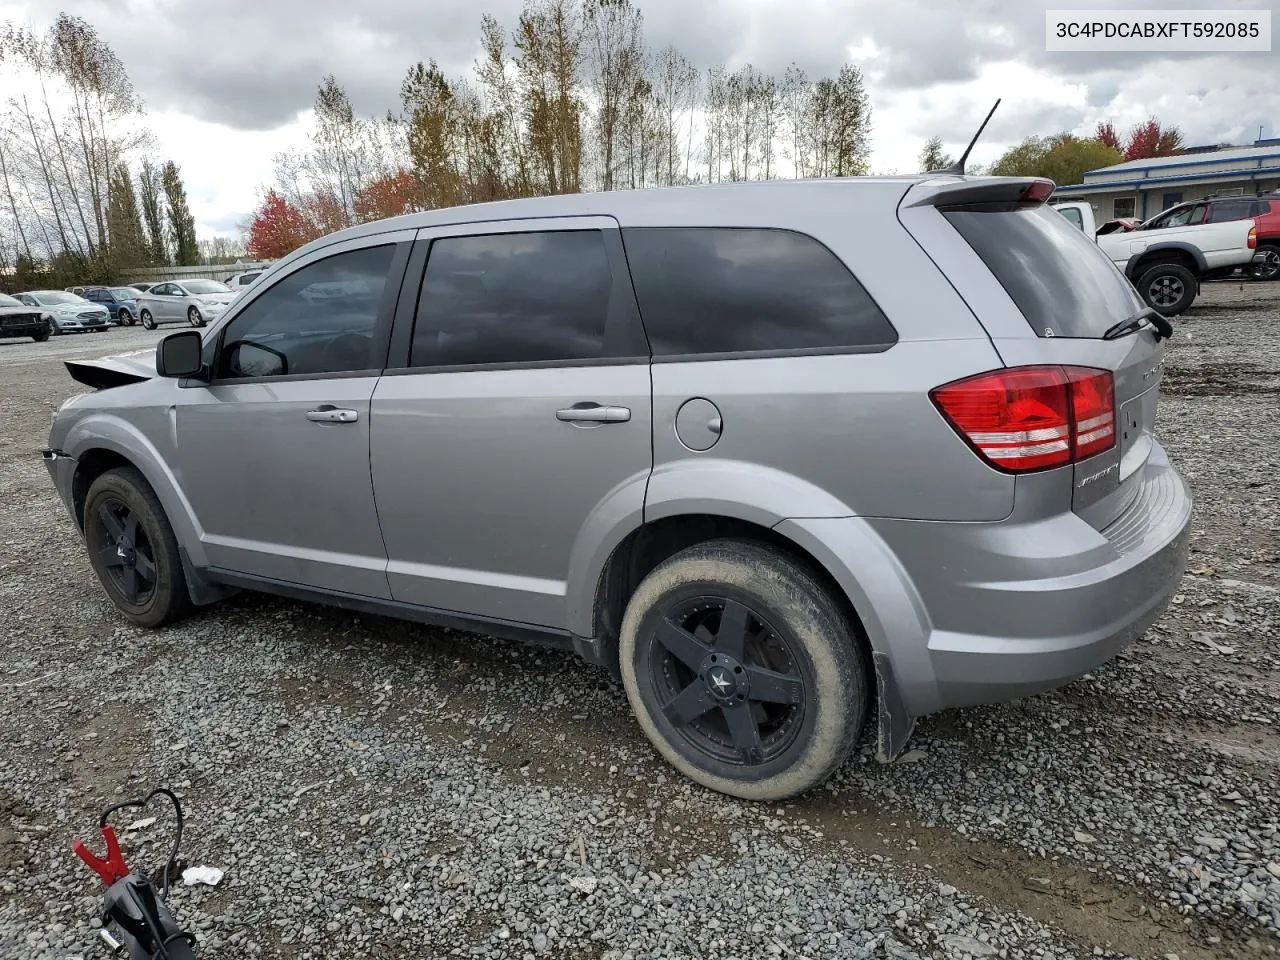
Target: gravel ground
373, 788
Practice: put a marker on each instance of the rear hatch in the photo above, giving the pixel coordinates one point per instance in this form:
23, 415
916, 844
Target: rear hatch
1066, 294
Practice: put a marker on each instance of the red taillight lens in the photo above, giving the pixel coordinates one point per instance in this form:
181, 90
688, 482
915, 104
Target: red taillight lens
1032, 418
1253, 238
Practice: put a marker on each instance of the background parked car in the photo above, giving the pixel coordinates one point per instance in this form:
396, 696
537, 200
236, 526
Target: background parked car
239, 281
18, 319
195, 301
143, 287
121, 302
69, 313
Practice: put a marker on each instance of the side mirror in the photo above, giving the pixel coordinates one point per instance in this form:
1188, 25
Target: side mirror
180, 355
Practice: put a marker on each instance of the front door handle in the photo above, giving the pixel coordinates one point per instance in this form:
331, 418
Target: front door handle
331, 414
593, 413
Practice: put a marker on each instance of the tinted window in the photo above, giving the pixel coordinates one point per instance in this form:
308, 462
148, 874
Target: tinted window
1223, 211
1063, 284
318, 319
514, 298
719, 290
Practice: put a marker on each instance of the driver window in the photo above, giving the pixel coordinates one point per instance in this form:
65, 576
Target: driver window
318, 319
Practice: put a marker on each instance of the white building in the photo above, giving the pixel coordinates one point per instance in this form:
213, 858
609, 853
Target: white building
1142, 188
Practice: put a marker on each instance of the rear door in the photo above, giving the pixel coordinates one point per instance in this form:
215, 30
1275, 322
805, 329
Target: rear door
1046, 295
513, 423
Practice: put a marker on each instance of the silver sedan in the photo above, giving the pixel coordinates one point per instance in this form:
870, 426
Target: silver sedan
193, 301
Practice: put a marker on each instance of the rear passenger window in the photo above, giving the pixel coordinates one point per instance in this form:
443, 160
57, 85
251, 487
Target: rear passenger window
1225, 211
514, 298
729, 290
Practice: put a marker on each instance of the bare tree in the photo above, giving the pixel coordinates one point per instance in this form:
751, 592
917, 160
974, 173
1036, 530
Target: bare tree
615, 54
675, 89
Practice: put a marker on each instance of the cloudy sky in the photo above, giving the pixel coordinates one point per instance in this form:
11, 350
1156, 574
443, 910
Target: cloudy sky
228, 83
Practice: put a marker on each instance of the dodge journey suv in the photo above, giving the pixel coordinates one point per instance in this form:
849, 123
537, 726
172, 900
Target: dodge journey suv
795, 461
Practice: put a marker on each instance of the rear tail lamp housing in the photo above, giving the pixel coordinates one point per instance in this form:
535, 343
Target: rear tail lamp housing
1253, 236
1023, 419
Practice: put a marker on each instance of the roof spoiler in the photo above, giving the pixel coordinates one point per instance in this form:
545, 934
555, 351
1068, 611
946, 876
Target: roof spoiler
946, 191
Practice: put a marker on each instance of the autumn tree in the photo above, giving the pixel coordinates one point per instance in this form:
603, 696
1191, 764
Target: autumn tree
432, 119
391, 195
182, 225
1062, 158
549, 40
932, 156
1150, 139
277, 229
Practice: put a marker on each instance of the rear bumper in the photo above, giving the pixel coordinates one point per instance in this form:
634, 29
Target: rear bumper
1014, 609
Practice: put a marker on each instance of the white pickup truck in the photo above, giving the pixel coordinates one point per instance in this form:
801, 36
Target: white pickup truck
1167, 260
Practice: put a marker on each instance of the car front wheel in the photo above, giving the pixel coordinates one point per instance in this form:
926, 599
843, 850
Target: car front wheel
194, 318
743, 671
125, 318
147, 320
133, 549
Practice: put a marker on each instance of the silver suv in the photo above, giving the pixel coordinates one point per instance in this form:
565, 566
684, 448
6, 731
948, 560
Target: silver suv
795, 461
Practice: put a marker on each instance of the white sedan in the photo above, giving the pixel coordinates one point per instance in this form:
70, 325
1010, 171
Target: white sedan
195, 301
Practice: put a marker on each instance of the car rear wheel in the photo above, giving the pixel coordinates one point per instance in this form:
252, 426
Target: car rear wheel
1269, 268
133, 549
194, 318
1169, 288
147, 320
743, 671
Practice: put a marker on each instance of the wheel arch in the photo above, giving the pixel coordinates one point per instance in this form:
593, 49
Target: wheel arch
1171, 251
103, 443
864, 594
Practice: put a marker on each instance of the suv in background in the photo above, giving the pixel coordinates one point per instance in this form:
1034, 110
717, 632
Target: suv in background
1265, 212
241, 281
121, 302
690, 434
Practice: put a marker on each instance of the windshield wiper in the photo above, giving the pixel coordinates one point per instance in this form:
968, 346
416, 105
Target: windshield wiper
1145, 317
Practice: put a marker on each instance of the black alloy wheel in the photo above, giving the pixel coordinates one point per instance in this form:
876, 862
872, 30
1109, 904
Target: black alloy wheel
125, 554
728, 680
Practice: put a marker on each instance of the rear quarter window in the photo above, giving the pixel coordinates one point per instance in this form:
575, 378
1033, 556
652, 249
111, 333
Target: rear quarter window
713, 290
1062, 283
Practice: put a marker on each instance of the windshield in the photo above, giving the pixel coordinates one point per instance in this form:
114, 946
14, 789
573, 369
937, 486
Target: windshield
124, 293
203, 287
56, 296
1063, 284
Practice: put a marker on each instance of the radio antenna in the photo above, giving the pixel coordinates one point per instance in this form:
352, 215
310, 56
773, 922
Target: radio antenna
957, 168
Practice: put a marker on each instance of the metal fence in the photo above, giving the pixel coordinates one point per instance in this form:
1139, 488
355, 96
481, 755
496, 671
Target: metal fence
217, 272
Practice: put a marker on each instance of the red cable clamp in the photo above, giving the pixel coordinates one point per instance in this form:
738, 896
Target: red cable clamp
112, 868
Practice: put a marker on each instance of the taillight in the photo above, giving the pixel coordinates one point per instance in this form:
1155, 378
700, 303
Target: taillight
1253, 238
1032, 418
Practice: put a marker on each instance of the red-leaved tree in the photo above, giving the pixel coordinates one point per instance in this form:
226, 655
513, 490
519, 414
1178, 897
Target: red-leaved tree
388, 196
1147, 139
278, 228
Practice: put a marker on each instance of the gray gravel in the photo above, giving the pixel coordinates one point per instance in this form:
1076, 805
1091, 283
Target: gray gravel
373, 788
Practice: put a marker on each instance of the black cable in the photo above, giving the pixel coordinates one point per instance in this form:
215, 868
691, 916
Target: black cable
138, 804
162, 951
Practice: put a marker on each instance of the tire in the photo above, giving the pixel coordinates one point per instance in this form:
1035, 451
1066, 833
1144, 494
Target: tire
817, 701
133, 549
147, 320
53, 329
125, 318
1168, 287
1270, 270
194, 318
40, 337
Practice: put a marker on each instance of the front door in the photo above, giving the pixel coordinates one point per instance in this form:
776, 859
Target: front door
274, 450
520, 413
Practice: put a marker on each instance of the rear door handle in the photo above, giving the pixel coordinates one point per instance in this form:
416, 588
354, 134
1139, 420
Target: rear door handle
593, 413
331, 414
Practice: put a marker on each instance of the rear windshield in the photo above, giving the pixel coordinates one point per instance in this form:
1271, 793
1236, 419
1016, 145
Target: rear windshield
1063, 284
